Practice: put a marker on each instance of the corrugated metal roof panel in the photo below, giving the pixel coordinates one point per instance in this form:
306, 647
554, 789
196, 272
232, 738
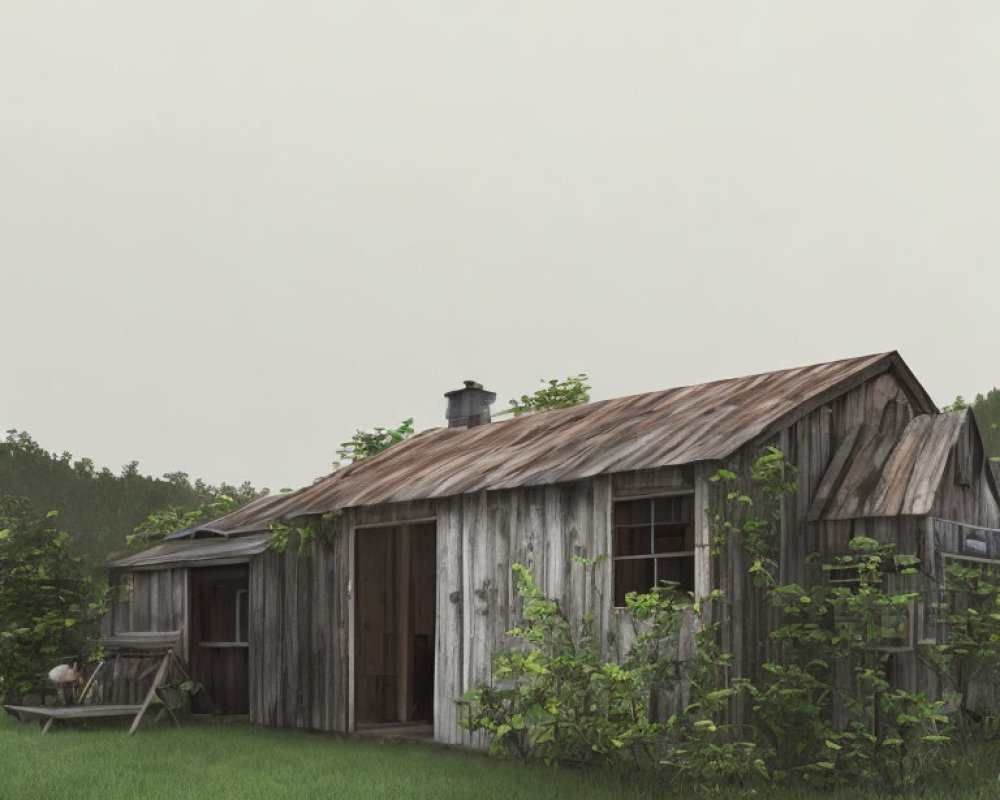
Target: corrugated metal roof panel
195, 552
677, 426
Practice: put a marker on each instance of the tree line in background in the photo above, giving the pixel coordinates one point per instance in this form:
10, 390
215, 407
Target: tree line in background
98, 508
986, 409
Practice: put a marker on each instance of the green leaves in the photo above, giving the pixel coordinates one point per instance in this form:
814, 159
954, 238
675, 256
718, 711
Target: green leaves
554, 698
172, 519
48, 606
365, 444
556, 394
747, 509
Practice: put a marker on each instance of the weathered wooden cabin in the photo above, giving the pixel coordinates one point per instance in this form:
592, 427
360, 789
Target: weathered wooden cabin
396, 610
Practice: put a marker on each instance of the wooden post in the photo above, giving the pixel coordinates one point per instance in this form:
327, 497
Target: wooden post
158, 678
403, 633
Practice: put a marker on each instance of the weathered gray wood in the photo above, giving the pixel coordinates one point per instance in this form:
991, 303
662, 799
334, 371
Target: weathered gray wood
480, 600
317, 665
289, 705
141, 640
702, 530
467, 505
603, 574
139, 607
273, 650
651, 482
256, 640
835, 474
151, 694
349, 619
447, 651
71, 712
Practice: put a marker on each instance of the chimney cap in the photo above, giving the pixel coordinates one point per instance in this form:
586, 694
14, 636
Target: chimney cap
468, 385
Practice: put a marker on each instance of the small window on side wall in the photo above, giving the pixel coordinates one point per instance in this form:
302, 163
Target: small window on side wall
653, 544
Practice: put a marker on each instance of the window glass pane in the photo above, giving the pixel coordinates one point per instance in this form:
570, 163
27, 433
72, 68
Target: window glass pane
633, 512
632, 541
632, 576
674, 509
623, 513
673, 538
665, 510
677, 570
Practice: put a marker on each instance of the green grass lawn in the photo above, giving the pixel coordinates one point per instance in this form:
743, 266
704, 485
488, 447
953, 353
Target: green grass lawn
213, 760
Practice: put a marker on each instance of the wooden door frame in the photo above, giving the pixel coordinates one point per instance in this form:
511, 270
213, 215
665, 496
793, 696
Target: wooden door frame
402, 555
189, 643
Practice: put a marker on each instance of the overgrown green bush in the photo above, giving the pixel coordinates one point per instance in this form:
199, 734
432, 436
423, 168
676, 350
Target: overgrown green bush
556, 699
825, 702
969, 659
48, 605
823, 708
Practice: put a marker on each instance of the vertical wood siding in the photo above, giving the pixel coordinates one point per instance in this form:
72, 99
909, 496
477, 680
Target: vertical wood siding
543, 528
157, 602
299, 653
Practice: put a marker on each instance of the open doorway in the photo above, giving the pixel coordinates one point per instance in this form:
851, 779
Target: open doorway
219, 638
395, 573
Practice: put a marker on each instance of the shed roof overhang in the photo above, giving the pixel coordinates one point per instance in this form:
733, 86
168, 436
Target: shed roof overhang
195, 553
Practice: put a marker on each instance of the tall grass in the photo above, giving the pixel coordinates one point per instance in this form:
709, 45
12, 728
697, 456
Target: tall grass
215, 760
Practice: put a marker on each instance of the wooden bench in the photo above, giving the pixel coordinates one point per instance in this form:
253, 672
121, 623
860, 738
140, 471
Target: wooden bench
165, 683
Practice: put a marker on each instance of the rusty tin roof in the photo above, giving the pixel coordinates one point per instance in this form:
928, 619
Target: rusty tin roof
707, 421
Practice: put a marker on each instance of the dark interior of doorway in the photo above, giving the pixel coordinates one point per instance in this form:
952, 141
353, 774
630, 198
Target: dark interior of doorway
219, 638
394, 625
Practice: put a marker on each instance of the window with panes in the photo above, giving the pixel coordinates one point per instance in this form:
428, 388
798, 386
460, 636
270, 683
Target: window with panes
653, 544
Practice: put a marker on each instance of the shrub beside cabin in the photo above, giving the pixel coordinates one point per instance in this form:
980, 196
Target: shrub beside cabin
394, 610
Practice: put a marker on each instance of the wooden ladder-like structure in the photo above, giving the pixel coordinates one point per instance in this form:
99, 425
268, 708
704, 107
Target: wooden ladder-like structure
171, 671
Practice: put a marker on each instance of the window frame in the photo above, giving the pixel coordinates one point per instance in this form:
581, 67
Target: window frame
654, 555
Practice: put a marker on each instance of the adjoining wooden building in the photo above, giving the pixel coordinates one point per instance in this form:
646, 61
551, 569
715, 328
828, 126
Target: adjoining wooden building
397, 611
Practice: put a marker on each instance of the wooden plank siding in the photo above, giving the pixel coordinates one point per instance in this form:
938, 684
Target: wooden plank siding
299, 646
543, 528
143, 601
153, 600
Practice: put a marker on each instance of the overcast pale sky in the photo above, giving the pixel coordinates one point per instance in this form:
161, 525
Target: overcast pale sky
233, 232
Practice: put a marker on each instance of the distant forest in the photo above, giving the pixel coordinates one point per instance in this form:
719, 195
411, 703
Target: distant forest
987, 410
100, 508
